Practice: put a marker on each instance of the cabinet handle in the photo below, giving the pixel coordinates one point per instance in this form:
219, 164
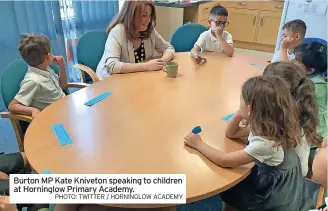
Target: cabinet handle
278, 6
254, 20
242, 3
205, 8
262, 20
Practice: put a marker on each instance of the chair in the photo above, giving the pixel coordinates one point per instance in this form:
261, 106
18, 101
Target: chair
322, 190
89, 50
184, 37
313, 39
318, 190
10, 85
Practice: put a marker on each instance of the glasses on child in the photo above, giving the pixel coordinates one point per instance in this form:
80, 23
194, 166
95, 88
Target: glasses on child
221, 23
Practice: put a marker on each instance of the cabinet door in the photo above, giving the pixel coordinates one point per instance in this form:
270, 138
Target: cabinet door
271, 6
204, 22
268, 27
247, 4
242, 25
204, 10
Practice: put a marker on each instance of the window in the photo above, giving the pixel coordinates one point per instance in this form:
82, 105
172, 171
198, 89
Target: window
66, 9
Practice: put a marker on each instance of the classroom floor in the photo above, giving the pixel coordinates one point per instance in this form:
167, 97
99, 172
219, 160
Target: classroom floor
256, 54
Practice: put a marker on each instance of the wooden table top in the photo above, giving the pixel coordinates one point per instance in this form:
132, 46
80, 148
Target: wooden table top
140, 128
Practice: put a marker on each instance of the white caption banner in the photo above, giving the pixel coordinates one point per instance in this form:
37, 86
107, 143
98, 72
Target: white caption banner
98, 188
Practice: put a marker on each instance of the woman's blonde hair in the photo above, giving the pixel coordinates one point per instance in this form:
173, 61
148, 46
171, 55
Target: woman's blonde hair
303, 93
129, 12
273, 111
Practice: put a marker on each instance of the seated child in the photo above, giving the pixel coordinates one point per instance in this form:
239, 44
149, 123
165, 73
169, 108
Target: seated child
215, 39
319, 169
313, 58
276, 181
41, 86
302, 90
293, 35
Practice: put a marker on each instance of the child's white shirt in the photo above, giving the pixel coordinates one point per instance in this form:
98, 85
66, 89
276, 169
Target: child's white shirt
208, 42
303, 152
266, 152
276, 57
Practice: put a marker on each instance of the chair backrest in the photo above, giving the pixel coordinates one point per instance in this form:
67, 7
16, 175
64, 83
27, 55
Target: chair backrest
12, 77
184, 37
313, 39
90, 48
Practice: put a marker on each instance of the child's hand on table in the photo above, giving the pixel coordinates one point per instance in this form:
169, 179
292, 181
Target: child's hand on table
199, 59
193, 140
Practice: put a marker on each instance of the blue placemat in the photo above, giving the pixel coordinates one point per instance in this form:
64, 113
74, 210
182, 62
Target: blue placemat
228, 117
257, 65
61, 134
46, 171
97, 99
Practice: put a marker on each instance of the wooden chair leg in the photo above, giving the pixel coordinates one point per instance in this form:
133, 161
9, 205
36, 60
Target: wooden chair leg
320, 197
82, 74
19, 134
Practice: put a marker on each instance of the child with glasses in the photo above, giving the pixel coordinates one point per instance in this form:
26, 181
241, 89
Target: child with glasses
215, 39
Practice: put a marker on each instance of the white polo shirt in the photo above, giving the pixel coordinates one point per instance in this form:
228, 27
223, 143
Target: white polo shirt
39, 88
208, 42
276, 56
264, 150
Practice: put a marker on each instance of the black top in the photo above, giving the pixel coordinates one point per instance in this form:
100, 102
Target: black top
139, 54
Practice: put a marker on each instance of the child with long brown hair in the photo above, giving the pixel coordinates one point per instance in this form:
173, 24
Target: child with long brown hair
276, 181
313, 58
303, 93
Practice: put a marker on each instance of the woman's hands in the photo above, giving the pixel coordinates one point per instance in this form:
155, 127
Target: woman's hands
155, 64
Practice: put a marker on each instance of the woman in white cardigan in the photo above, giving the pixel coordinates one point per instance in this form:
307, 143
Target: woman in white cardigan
133, 45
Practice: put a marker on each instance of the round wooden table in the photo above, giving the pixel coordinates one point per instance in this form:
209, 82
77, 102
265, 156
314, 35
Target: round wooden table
140, 128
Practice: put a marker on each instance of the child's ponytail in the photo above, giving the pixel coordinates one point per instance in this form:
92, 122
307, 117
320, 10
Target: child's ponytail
304, 96
303, 93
